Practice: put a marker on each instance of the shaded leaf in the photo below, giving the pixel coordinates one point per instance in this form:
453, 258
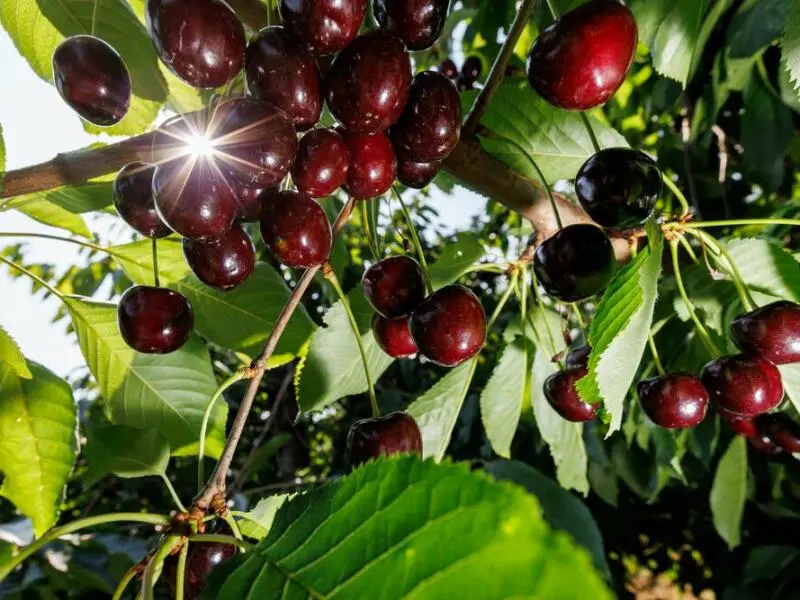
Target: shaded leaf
790, 46
76, 199
729, 492
125, 451
456, 259
755, 25
44, 211
12, 356
767, 562
766, 267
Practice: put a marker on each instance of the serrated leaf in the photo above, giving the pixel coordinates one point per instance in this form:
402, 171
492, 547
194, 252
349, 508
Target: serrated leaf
12, 356
755, 25
125, 451
44, 211
164, 392
766, 267
400, 528
38, 442
729, 492
456, 259
257, 522
75, 199
790, 46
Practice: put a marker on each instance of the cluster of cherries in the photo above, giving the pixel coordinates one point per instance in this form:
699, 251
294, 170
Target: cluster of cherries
465, 78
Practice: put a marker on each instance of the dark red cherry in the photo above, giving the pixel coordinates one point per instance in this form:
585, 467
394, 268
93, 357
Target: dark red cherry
321, 165
248, 200
471, 70
765, 445
294, 227
154, 320
395, 433
416, 175
324, 26
203, 558
430, 125
92, 78
619, 187
742, 384
393, 336
367, 85
772, 331
674, 401
394, 286
781, 429
201, 41
222, 262
578, 357
575, 263
562, 395
739, 424
279, 70
419, 23
448, 68
449, 326
133, 199
373, 164
581, 60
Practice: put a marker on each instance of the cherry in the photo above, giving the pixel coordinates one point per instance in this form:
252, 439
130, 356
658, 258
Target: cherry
248, 201
471, 70
393, 336
674, 401
92, 79
203, 557
223, 262
449, 326
133, 199
294, 227
201, 41
578, 357
575, 263
394, 286
367, 85
395, 433
324, 26
280, 71
740, 424
780, 429
419, 23
765, 445
772, 331
742, 384
448, 68
581, 60
416, 175
619, 187
373, 164
154, 320
430, 125
562, 395
321, 165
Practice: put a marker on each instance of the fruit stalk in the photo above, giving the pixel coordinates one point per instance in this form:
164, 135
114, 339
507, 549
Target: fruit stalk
415, 239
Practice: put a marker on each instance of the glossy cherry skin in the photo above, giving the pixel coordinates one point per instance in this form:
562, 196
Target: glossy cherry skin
322, 162
367, 85
324, 26
674, 401
279, 70
133, 199
575, 263
393, 336
743, 384
581, 60
419, 23
92, 79
781, 429
395, 433
578, 357
430, 125
154, 320
202, 559
471, 70
295, 229
562, 395
772, 331
373, 164
222, 262
618, 187
449, 326
248, 200
765, 445
416, 175
394, 286
739, 424
201, 41
448, 68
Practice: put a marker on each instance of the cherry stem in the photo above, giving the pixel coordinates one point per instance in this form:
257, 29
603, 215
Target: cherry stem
654, 351
222, 539
588, 125
156, 565
373, 242
156, 281
58, 238
553, 10
180, 576
173, 493
719, 251
553, 348
414, 239
94, 15
33, 276
579, 317
228, 517
738, 222
123, 584
512, 285
678, 194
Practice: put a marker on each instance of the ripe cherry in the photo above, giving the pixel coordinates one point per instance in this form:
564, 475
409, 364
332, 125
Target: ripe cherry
367, 85
395, 433
471, 70
674, 401
133, 199
373, 164
324, 26
248, 200
416, 175
295, 229
765, 445
321, 165
394, 286
280, 71
575, 263
619, 187
448, 68
393, 336
578, 357
154, 320
222, 262
419, 23
742, 384
772, 331
562, 395
781, 429
203, 558
92, 79
739, 424
430, 125
581, 60
201, 41
449, 326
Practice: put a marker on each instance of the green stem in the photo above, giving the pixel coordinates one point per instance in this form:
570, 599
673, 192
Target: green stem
512, 284
579, 317
123, 584
414, 239
588, 125
223, 539
689, 250
156, 281
678, 194
373, 244
175, 498
553, 10
94, 15
156, 565
553, 348
740, 222
654, 352
58, 238
33, 276
738, 281
180, 575
233, 525
701, 330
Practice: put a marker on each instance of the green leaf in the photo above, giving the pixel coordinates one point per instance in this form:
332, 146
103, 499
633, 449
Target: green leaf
37, 26
619, 330
164, 392
263, 455
766, 267
257, 522
790, 374
790, 46
76, 199
12, 356
401, 528
456, 259
755, 25
44, 211
767, 562
125, 451
2, 158
729, 492
38, 442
